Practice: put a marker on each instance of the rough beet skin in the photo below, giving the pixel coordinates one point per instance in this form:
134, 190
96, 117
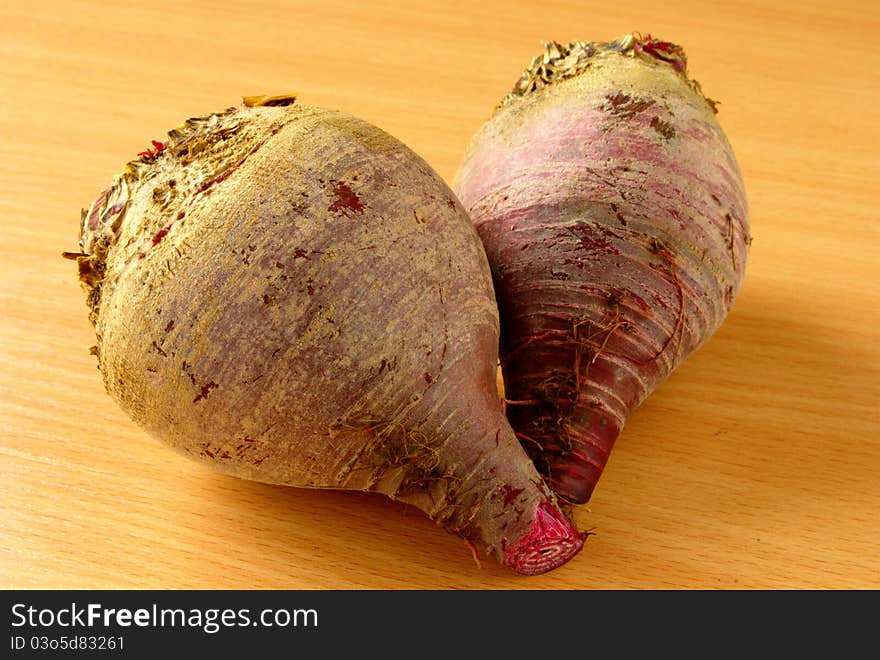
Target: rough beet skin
616, 224
289, 294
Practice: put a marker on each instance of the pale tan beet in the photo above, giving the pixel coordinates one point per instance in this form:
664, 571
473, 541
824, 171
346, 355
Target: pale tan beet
291, 295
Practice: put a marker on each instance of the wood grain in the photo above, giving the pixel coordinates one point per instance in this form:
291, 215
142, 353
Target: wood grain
757, 463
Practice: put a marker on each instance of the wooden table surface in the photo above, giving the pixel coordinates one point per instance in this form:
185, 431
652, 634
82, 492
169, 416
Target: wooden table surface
756, 465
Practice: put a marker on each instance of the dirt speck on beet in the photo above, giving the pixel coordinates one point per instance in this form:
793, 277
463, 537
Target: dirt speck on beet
205, 391
345, 200
664, 129
623, 106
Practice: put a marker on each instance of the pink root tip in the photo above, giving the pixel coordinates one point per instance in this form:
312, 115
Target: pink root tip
551, 542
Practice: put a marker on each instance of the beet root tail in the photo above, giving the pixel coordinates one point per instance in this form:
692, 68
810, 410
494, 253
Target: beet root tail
551, 542
573, 472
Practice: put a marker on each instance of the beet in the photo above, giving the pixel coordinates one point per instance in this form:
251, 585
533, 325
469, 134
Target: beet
289, 294
615, 220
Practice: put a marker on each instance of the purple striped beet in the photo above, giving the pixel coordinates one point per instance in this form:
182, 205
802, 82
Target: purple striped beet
615, 220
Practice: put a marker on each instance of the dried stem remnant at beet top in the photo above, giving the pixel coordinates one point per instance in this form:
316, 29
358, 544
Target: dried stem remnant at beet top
615, 220
289, 294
